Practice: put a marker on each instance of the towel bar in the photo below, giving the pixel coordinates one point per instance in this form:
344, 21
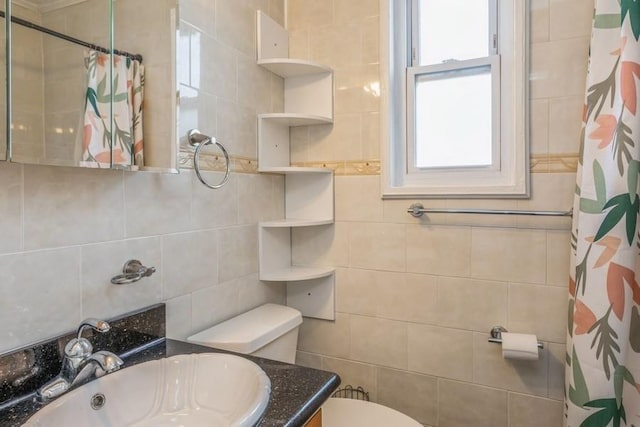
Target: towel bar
417, 210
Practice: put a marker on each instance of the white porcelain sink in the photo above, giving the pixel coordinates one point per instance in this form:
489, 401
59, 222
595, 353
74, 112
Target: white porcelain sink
181, 391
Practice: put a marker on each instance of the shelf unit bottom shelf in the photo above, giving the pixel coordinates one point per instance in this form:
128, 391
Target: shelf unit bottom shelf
296, 273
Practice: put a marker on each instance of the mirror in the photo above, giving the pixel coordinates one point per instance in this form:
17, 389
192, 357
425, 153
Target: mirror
73, 104
3, 94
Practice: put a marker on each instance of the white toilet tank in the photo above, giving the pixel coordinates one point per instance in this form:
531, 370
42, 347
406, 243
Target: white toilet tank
269, 331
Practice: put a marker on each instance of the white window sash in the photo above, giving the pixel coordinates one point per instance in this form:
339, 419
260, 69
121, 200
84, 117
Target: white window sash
449, 70
413, 17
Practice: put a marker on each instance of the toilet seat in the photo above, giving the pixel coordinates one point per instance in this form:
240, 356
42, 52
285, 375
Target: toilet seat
339, 412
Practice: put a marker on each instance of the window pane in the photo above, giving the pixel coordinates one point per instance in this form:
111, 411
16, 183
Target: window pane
453, 120
453, 29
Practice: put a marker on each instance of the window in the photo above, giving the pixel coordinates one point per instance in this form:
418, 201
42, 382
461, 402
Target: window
454, 116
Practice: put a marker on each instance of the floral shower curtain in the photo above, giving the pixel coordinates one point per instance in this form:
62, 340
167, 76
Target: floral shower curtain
603, 347
128, 89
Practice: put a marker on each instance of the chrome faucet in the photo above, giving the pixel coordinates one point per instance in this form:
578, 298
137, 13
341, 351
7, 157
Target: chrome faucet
80, 363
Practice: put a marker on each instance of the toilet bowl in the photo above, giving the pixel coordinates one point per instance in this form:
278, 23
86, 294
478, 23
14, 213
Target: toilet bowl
339, 412
271, 331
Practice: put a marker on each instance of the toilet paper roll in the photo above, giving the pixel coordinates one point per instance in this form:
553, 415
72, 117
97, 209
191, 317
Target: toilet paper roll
519, 346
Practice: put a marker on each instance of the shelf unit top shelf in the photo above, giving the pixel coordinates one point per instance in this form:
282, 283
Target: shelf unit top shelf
287, 67
295, 119
294, 222
296, 273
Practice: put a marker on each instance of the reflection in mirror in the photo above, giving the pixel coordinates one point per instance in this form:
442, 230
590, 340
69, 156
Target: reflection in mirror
67, 110
49, 79
3, 93
153, 35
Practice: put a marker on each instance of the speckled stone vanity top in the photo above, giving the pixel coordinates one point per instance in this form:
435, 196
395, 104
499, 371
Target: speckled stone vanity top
296, 392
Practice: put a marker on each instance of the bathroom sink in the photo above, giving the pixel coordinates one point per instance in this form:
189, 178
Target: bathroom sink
180, 391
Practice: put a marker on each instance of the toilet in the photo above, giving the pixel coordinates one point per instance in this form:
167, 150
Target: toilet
340, 412
271, 331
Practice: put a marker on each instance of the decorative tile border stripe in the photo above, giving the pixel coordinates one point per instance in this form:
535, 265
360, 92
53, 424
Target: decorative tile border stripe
554, 163
540, 163
215, 162
545, 163
347, 167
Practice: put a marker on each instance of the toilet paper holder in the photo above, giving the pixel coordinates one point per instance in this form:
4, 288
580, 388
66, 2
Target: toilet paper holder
496, 336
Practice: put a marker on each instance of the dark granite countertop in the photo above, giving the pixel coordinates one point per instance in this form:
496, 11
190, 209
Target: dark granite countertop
296, 392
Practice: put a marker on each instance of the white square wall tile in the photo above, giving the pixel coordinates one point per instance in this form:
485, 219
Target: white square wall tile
215, 304
570, 18
565, 124
237, 252
412, 394
438, 250
440, 351
407, 297
157, 203
326, 245
219, 208
509, 255
377, 246
41, 296
330, 338
309, 360
379, 341
11, 207
70, 206
558, 257
540, 310
358, 198
475, 305
539, 21
529, 411
463, 404
189, 262
550, 80
557, 361
179, 317
102, 261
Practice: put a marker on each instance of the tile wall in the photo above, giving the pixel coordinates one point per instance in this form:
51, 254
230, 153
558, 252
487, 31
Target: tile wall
28, 93
66, 232
416, 298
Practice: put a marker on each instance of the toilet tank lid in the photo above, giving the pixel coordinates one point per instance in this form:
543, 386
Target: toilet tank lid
250, 331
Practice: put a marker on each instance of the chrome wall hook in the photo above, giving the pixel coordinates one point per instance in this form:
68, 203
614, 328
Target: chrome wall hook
132, 271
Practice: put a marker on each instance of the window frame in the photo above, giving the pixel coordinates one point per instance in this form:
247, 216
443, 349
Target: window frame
509, 177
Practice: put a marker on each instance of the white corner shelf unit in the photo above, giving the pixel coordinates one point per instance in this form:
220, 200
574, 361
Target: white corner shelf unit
309, 192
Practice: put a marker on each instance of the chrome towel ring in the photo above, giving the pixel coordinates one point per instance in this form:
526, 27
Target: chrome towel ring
199, 141
132, 271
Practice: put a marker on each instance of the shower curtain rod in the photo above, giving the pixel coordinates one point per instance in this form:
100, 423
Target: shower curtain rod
36, 27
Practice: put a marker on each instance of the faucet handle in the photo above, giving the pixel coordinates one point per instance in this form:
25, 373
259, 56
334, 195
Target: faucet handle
78, 348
